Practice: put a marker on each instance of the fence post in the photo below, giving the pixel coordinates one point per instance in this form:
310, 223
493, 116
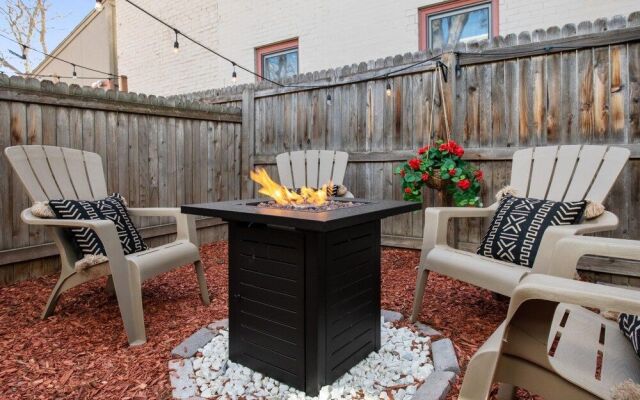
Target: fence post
248, 141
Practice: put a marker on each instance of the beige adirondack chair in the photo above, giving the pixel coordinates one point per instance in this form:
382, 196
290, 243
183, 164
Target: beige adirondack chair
550, 344
569, 173
312, 168
49, 172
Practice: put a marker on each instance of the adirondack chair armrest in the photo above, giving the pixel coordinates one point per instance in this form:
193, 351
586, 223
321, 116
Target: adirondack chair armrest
546, 252
562, 290
105, 229
569, 250
185, 223
30, 219
436, 221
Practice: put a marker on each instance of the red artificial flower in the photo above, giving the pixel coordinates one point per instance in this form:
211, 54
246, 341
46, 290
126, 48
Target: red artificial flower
425, 177
452, 172
464, 184
444, 147
458, 151
422, 150
402, 172
414, 163
478, 174
407, 190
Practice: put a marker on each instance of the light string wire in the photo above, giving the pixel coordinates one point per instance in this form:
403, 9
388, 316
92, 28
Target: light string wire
74, 65
258, 75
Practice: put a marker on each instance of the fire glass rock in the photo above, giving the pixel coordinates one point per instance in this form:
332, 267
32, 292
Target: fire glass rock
328, 206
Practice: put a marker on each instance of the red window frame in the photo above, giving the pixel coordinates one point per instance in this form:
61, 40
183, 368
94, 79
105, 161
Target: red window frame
262, 51
425, 12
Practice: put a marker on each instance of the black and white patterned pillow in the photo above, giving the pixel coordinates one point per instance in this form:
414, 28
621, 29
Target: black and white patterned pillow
630, 327
112, 208
519, 223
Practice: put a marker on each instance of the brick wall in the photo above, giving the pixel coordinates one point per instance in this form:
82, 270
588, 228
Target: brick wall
331, 33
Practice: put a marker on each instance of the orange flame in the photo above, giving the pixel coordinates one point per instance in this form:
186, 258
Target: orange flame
283, 196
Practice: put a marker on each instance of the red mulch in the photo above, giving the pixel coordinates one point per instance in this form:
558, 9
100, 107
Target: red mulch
82, 352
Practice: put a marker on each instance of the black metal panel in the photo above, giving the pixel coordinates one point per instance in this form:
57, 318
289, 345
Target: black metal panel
304, 306
266, 305
352, 296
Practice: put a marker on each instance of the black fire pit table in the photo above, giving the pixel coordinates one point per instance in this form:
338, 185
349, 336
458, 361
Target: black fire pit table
304, 287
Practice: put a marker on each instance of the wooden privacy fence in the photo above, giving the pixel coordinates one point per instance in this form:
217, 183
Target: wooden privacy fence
155, 151
575, 84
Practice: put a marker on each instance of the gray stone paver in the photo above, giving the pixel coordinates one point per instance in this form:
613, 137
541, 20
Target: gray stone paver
426, 329
444, 356
217, 325
436, 386
190, 345
391, 316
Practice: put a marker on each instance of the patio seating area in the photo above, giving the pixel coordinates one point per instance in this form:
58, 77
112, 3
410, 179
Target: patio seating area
82, 351
499, 211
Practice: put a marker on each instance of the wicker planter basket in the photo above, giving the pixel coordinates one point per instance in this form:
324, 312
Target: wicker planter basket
435, 182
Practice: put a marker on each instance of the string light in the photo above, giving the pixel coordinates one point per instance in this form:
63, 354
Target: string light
74, 75
329, 100
388, 89
99, 6
234, 76
176, 45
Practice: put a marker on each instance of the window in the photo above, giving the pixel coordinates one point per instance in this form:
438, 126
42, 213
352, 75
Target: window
457, 21
278, 61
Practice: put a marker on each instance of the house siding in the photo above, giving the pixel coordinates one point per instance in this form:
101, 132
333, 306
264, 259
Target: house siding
330, 33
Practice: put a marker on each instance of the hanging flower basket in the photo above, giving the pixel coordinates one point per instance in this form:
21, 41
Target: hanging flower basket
441, 167
434, 181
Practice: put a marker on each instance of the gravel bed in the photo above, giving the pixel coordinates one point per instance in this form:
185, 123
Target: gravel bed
396, 371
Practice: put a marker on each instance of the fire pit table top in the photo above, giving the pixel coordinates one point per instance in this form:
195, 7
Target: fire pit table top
319, 221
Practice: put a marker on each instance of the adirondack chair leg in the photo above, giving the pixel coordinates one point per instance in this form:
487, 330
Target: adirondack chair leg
479, 375
421, 283
506, 391
54, 296
129, 295
109, 287
202, 282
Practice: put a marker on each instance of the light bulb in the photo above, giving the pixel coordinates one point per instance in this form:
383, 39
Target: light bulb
388, 89
99, 6
328, 99
74, 75
176, 45
234, 77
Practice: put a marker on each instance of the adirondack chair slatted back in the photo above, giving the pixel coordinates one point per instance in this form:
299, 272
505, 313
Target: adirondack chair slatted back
567, 173
49, 172
311, 168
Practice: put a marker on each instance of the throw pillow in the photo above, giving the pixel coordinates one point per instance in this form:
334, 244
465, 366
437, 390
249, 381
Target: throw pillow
519, 223
630, 327
112, 208
332, 191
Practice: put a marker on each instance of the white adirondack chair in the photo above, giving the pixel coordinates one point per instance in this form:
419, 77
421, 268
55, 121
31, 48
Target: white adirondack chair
49, 172
552, 346
569, 173
312, 168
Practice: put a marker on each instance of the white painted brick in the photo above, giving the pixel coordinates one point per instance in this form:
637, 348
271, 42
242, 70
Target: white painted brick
331, 33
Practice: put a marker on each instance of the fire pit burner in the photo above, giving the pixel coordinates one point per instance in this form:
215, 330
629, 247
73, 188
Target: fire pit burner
328, 206
304, 287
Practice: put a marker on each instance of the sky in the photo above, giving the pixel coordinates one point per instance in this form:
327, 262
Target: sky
62, 17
